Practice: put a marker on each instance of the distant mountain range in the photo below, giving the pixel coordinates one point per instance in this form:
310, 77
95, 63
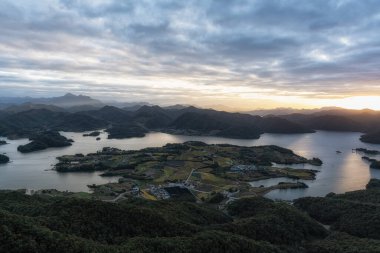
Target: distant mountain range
121, 123
339, 120
284, 110
67, 100
80, 113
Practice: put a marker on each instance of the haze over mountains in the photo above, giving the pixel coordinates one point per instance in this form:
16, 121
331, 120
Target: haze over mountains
68, 101
20, 117
288, 110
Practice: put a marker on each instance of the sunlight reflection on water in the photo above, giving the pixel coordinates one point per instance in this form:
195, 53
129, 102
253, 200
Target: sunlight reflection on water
339, 173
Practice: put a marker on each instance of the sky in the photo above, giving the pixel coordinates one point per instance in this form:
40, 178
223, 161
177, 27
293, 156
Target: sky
242, 54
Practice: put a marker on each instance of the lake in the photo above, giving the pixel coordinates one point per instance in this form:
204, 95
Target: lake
339, 173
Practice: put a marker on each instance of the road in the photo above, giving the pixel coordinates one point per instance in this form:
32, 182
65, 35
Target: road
191, 173
121, 195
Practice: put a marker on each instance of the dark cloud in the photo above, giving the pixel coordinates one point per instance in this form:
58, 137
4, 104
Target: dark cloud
318, 47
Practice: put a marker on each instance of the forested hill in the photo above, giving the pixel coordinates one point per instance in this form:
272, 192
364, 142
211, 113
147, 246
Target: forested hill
51, 224
43, 223
353, 218
23, 120
364, 121
122, 123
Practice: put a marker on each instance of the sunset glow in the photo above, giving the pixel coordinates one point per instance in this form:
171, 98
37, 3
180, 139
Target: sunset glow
360, 102
239, 55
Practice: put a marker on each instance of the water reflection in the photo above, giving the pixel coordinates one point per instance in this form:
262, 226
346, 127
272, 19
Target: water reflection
339, 173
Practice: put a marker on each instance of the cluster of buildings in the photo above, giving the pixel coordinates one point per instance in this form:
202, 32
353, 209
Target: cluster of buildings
182, 185
243, 168
159, 192
170, 190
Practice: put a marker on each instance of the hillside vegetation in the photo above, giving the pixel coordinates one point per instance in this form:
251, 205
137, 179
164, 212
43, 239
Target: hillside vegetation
43, 223
125, 124
355, 216
50, 224
25, 120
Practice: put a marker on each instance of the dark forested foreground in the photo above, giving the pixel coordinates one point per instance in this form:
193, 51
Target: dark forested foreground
42, 223
356, 215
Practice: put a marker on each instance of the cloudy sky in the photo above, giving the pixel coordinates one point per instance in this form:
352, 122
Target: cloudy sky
241, 54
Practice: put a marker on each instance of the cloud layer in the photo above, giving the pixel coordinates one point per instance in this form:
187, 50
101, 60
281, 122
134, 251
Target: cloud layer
169, 51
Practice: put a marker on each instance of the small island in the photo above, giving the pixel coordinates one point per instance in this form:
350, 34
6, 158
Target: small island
44, 140
4, 159
92, 134
3, 142
286, 185
367, 151
315, 161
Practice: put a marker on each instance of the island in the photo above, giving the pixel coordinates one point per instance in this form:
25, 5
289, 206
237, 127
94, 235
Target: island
3, 142
92, 134
315, 161
44, 140
126, 131
202, 169
367, 151
4, 159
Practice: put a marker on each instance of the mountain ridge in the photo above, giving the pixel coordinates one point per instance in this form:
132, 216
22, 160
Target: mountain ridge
139, 119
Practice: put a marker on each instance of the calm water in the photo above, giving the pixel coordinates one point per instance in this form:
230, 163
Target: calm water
339, 173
